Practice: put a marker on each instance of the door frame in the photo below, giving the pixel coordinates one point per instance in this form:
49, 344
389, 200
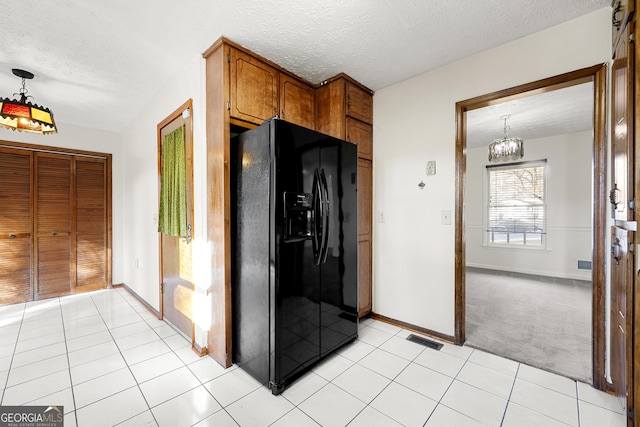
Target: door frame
598, 75
177, 113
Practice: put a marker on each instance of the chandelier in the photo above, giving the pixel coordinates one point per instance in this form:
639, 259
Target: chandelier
23, 115
507, 148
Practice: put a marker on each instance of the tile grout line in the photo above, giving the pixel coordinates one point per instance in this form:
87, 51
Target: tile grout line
513, 385
13, 354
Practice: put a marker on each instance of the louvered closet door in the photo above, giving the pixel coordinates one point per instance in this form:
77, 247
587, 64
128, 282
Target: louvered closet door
55, 260
15, 226
91, 223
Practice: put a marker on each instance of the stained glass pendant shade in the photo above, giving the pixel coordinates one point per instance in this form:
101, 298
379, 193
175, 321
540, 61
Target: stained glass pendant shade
22, 115
506, 149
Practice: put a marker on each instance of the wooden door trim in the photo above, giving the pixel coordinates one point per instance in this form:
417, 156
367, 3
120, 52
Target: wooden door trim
598, 75
176, 114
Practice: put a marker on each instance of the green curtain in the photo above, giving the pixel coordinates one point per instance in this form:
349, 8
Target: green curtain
172, 218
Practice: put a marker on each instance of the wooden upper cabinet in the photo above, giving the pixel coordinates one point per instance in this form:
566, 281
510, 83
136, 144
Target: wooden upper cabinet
297, 102
361, 134
339, 100
359, 103
254, 88
621, 14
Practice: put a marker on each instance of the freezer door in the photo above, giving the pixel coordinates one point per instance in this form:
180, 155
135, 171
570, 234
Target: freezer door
297, 296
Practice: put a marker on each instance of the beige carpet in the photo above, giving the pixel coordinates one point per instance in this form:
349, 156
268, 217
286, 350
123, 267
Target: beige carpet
540, 321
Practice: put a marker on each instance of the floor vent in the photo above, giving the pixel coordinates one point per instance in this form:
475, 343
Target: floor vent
425, 342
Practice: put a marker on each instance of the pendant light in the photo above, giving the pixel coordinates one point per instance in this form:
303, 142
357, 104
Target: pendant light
507, 148
22, 115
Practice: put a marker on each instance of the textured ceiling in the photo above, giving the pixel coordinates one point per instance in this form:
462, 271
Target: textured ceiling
98, 63
558, 112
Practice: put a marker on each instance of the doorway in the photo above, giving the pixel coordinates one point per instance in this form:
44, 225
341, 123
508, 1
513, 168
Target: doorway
597, 77
176, 266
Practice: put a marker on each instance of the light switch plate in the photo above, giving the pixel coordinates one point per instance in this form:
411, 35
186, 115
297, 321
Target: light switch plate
431, 167
445, 217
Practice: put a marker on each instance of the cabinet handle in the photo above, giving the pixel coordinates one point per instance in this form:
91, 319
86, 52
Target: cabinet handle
55, 233
614, 21
12, 236
275, 111
348, 101
282, 112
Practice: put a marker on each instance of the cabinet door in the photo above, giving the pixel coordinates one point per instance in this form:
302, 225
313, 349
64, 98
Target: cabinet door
55, 273
297, 102
360, 134
364, 197
254, 88
359, 103
622, 146
364, 278
91, 223
364, 236
15, 226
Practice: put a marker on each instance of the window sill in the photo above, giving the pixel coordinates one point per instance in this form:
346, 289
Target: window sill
517, 248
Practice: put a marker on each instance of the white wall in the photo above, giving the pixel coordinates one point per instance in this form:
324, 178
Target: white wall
82, 138
141, 185
569, 202
414, 122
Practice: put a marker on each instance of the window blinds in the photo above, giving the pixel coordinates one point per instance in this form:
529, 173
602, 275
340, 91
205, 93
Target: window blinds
516, 202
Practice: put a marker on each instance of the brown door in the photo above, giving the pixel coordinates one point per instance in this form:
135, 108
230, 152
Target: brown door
55, 255
91, 223
16, 244
622, 196
621, 310
176, 252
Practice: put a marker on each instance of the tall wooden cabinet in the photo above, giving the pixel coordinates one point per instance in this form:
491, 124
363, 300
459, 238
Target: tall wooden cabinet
624, 327
244, 90
55, 232
344, 109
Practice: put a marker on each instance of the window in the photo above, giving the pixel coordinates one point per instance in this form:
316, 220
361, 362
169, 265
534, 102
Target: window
516, 208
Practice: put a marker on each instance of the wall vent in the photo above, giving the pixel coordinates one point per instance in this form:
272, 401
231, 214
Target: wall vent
584, 265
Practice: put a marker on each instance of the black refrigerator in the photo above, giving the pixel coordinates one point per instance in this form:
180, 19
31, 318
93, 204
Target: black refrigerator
295, 251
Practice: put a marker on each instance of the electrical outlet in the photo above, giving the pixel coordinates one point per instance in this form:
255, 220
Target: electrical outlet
431, 167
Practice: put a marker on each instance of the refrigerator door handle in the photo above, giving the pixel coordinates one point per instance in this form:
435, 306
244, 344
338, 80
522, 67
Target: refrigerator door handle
317, 216
325, 218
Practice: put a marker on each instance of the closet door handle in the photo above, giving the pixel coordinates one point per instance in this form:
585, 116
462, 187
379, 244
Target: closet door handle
12, 236
55, 233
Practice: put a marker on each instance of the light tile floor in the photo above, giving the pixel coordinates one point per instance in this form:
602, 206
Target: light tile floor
110, 362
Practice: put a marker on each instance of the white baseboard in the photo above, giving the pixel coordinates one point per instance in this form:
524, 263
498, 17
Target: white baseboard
563, 275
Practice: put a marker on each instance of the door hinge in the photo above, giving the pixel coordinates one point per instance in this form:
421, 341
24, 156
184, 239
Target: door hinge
632, 204
632, 38
631, 414
229, 106
162, 288
632, 247
228, 57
